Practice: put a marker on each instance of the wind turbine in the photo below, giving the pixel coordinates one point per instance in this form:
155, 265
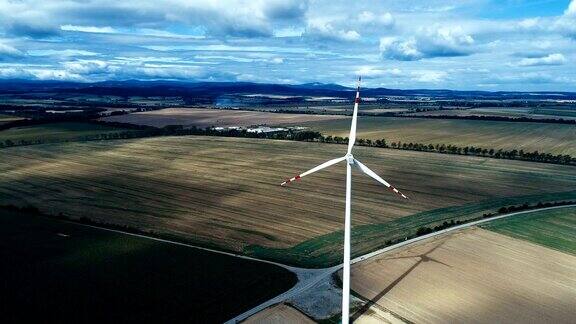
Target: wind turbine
350, 161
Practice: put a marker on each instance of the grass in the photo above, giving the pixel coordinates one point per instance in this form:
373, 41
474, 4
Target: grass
548, 138
555, 228
225, 192
64, 272
57, 132
325, 249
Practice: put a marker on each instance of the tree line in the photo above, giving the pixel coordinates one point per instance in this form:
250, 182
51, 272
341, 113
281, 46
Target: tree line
458, 150
135, 131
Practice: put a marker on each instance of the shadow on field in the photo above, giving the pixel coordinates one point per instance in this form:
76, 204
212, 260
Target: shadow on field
422, 258
63, 272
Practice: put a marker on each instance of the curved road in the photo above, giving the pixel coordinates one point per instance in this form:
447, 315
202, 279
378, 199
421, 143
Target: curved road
319, 274
307, 278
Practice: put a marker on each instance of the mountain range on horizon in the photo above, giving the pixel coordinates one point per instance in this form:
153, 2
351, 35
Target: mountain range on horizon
187, 89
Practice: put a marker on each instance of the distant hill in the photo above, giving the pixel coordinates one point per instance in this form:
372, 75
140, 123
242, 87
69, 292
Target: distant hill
215, 89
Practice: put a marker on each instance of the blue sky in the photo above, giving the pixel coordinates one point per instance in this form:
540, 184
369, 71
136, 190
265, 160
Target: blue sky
455, 44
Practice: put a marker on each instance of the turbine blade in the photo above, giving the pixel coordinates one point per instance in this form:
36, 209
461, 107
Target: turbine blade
352, 137
372, 174
317, 168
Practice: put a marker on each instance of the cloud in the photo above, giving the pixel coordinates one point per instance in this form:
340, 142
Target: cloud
429, 43
32, 30
62, 53
566, 24
323, 29
35, 73
374, 72
571, 11
285, 9
551, 59
369, 18
9, 51
429, 76
88, 29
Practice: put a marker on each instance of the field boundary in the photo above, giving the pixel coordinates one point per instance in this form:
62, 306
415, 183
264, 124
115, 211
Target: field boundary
307, 278
329, 271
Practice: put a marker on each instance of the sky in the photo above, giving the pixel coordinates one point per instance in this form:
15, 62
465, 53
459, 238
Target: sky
520, 45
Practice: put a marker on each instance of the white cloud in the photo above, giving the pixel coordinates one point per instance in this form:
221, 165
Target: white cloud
571, 11
7, 50
400, 49
374, 72
88, 29
435, 41
551, 59
326, 30
368, 17
61, 53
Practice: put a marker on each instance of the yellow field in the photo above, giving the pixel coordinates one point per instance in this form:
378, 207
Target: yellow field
215, 117
226, 191
474, 276
548, 138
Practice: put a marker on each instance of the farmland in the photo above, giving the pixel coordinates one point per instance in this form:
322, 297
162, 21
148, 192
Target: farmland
281, 313
547, 112
214, 117
8, 118
56, 132
471, 276
66, 272
548, 138
225, 192
555, 228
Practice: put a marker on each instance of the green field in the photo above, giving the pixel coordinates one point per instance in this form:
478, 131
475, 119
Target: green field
68, 273
57, 132
548, 138
552, 228
224, 192
367, 238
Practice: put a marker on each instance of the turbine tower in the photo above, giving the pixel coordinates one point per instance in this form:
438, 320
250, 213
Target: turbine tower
350, 161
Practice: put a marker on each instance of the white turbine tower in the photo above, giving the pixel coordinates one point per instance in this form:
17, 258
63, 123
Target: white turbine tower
350, 160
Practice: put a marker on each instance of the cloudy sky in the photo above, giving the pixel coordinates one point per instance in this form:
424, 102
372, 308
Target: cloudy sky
456, 44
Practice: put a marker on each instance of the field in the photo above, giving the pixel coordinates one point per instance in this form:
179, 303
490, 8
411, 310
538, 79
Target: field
66, 272
546, 112
214, 117
278, 314
210, 190
552, 228
549, 138
56, 132
4, 119
473, 276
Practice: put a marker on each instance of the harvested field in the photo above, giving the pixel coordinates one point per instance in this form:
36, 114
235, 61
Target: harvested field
554, 228
215, 117
57, 132
225, 191
67, 273
473, 276
552, 112
279, 314
549, 138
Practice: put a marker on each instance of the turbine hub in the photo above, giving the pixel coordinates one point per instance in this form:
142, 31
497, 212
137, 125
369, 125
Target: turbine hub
349, 158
